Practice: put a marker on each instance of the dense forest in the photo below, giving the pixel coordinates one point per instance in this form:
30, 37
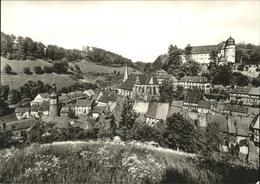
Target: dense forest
22, 48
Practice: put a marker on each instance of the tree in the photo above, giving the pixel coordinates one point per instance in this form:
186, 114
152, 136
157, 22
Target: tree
27, 71
240, 79
47, 69
214, 139
3, 107
222, 75
4, 92
38, 70
128, 120
174, 59
213, 56
179, 133
21, 48
190, 68
8, 69
14, 97
166, 92
256, 81
60, 67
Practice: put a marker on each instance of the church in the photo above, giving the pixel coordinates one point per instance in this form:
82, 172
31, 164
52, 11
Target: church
225, 50
139, 86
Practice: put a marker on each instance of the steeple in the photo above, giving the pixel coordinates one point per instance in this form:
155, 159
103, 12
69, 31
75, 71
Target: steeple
54, 110
125, 74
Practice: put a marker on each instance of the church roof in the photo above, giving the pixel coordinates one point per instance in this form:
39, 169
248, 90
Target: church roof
141, 79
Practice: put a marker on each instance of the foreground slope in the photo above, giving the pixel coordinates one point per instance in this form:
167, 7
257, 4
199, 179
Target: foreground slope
110, 162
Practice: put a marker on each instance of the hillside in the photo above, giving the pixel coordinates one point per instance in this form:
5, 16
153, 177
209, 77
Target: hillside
88, 69
88, 66
110, 162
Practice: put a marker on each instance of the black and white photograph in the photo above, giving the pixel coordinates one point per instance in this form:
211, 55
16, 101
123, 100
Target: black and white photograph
130, 92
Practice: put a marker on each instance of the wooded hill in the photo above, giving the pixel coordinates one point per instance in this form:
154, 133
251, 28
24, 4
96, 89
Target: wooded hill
22, 48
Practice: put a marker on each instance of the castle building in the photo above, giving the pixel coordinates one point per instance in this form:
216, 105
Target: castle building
54, 108
225, 51
141, 86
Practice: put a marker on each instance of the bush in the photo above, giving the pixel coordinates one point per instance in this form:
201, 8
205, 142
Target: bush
47, 69
27, 71
38, 70
8, 69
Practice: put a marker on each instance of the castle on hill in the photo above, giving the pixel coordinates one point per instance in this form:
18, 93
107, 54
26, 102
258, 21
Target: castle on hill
225, 50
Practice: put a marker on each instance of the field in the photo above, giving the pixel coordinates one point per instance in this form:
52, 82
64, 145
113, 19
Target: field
62, 80
87, 66
111, 162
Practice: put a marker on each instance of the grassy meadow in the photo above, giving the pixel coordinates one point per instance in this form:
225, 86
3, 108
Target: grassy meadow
62, 80
105, 162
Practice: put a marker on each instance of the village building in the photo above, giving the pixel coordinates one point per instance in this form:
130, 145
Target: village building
40, 98
254, 127
22, 112
202, 54
202, 106
19, 126
162, 75
89, 92
83, 107
140, 86
236, 110
176, 107
247, 95
190, 82
157, 113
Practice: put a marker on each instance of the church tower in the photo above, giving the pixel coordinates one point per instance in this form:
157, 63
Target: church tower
125, 74
54, 109
230, 50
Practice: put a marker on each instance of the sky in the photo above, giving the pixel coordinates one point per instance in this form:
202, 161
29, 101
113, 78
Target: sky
138, 30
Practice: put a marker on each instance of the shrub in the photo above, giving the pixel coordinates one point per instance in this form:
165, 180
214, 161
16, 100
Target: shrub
47, 69
27, 71
38, 70
8, 69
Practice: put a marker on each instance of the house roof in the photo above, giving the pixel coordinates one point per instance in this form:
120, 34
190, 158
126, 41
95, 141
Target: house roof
98, 109
57, 121
141, 79
239, 125
177, 103
236, 108
197, 79
84, 103
255, 122
204, 104
204, 49
106, 98
158, 110
161, 74
246, 90
21, 109
44, 95
89, 92
20, 124
221, 120
141, 107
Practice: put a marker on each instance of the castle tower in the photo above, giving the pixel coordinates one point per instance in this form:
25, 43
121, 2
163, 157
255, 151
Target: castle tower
54, 109
125, 74
230, 50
